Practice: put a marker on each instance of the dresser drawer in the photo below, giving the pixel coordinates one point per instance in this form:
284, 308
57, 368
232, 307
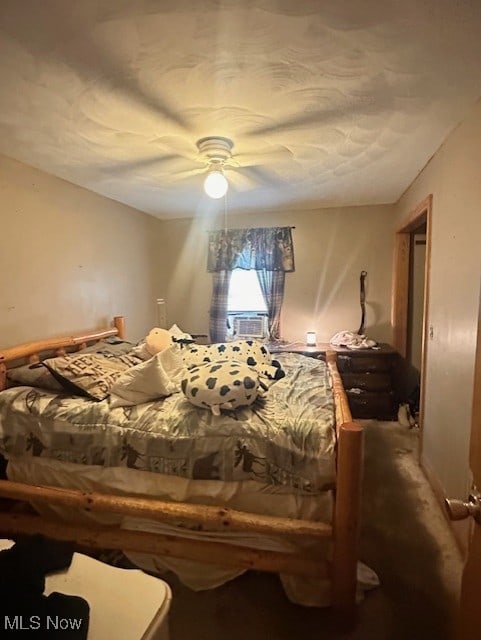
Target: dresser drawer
363, 363
367, 381
372, 405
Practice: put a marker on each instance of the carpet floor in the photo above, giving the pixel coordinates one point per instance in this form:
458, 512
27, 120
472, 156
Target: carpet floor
405, 539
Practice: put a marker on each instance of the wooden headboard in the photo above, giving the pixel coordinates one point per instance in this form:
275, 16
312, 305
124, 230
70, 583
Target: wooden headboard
32, 352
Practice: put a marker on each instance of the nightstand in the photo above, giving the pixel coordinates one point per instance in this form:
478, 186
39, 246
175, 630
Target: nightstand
369, 376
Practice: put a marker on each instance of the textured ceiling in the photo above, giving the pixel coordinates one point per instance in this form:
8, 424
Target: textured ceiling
328, 103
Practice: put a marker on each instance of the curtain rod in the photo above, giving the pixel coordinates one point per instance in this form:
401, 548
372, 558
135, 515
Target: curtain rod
208, 230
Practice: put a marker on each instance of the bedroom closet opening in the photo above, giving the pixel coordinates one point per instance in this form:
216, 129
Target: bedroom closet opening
410, 303
415, 324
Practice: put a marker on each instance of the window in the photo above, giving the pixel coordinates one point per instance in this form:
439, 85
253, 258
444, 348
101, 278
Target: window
245, 293
264, 251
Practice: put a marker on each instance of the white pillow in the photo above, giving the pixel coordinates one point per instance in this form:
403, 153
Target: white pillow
176, 332
155, 378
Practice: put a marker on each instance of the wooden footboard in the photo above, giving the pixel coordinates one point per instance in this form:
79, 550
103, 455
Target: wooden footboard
343, 531
346, 525
203, 516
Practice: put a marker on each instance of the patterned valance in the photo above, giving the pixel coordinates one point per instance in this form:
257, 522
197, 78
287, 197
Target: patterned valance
268, 248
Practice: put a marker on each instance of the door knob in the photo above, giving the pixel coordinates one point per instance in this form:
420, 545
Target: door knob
458, 510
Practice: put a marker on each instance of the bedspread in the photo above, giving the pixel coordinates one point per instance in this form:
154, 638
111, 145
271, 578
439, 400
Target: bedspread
286, 438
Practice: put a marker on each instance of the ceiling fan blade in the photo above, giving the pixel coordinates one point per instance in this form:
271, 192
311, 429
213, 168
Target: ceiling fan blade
279, 153
262, 176
240, 181
249, 178
188, 173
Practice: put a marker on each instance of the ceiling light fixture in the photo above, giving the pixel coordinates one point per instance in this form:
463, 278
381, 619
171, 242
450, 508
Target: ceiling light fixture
216, 151
215, 184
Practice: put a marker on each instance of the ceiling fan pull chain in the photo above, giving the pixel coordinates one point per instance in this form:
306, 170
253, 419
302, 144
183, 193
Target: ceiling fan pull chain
225, 212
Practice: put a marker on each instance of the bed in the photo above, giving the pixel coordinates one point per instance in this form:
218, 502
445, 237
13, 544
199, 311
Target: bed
272, 487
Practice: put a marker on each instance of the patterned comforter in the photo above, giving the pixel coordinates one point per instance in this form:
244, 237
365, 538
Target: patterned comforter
285, 439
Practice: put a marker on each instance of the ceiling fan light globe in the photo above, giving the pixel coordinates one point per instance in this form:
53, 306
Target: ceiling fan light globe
215, 184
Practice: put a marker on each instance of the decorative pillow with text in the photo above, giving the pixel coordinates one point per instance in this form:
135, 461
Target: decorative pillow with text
89, 374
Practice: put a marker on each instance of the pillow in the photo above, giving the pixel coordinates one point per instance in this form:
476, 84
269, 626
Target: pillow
33, 375
88, 374
176, 332
156, 378
221, 384
36, 375
140, 350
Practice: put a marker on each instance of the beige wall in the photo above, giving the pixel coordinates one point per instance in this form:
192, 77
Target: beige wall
331, 248
453, 177
70, 259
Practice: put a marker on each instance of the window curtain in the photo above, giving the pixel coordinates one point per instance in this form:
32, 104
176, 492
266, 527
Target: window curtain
267, 250
218, 307
272, 287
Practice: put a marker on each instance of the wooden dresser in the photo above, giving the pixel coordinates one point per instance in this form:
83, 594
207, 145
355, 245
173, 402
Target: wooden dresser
369, 376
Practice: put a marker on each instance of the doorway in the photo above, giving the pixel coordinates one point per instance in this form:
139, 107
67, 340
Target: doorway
410, 298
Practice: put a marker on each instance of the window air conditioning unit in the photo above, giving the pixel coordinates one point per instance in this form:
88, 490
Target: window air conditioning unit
250, 326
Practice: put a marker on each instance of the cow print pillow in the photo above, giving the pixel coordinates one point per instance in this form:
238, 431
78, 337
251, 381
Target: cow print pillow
221, 384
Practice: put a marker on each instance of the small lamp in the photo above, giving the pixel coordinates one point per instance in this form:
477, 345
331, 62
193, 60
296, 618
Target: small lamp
311, 339
215, 184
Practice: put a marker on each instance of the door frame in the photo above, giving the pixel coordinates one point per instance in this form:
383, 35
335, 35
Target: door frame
422, 214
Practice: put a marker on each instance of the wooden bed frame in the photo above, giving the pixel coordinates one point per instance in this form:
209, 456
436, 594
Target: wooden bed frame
343, 531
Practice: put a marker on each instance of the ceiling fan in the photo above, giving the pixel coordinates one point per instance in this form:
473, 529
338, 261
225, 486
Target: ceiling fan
211, 157
223, 168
